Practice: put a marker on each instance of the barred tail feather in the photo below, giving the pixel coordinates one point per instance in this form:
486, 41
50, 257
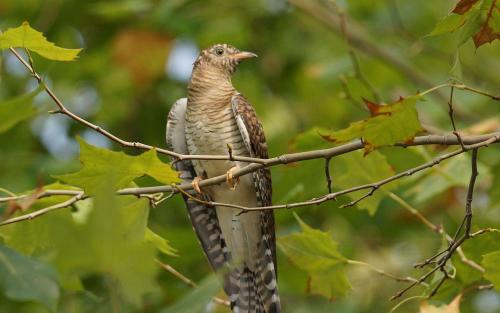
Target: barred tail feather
249, 293
255, 291
206, 226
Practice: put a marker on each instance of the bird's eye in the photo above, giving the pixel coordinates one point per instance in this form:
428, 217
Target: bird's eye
219, 51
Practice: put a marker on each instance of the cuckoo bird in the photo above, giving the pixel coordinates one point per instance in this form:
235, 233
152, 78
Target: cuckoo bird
213, 117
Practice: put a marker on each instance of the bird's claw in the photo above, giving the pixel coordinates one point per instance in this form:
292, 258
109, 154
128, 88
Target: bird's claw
196, 184
230, 180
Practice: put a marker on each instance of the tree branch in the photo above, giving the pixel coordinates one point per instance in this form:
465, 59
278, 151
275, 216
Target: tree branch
283, 159
63, 110
46, 210
382, 272
188, 281
457, 241
446, 140
327, 197
437, 229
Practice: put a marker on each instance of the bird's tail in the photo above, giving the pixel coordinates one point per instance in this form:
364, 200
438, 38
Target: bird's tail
254, 291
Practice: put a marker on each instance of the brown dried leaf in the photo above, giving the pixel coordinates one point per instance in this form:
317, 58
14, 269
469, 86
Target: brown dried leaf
485, 35
375, 108
463, 6
23, 204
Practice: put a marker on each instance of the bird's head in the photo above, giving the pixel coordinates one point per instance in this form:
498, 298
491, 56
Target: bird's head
222, 57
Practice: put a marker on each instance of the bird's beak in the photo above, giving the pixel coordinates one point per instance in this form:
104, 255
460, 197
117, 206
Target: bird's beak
244, 55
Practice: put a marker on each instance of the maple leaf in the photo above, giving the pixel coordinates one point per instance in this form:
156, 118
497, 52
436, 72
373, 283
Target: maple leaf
486, 32
388, 124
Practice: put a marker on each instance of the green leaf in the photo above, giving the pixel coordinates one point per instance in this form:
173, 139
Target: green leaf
98, 163
109, 242
27, 237
116, 244
17, 110
159, 242
451, 173
489, 29
310, 140
464, 16
491, 262
197, 299
355, 130
317, 253
389, 124
470, 27
354, 169
107, 237
26, 279
449, 24
7, 305
26, 37
403, 159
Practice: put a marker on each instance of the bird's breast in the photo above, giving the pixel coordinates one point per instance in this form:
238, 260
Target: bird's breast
210, 131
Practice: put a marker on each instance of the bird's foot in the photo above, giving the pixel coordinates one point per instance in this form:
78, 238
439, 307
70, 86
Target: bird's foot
196, 184
231, 181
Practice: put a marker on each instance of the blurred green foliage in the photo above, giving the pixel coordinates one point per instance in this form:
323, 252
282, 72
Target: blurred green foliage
303, 84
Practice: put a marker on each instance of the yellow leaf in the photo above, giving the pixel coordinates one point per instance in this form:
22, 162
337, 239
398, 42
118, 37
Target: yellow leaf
26, 37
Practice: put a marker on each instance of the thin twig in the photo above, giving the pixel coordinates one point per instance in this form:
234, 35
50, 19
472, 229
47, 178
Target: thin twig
452, 118
319, 154
230, 152
43, 194
485, 287
415, 212
283, 159
328, 175
79, 195
46, 210
458, 239
63, 110
188, 281
314, 201
382, 272
461, 87
484, 231
437, 229
10, 193
330, 196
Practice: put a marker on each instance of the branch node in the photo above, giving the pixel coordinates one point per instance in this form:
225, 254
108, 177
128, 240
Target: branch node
230, 152
328, 175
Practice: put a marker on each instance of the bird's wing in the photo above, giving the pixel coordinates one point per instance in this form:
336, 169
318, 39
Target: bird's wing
203, 217
255, 141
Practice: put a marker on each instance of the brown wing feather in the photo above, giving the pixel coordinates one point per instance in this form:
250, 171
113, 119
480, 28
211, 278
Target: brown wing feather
255, 141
